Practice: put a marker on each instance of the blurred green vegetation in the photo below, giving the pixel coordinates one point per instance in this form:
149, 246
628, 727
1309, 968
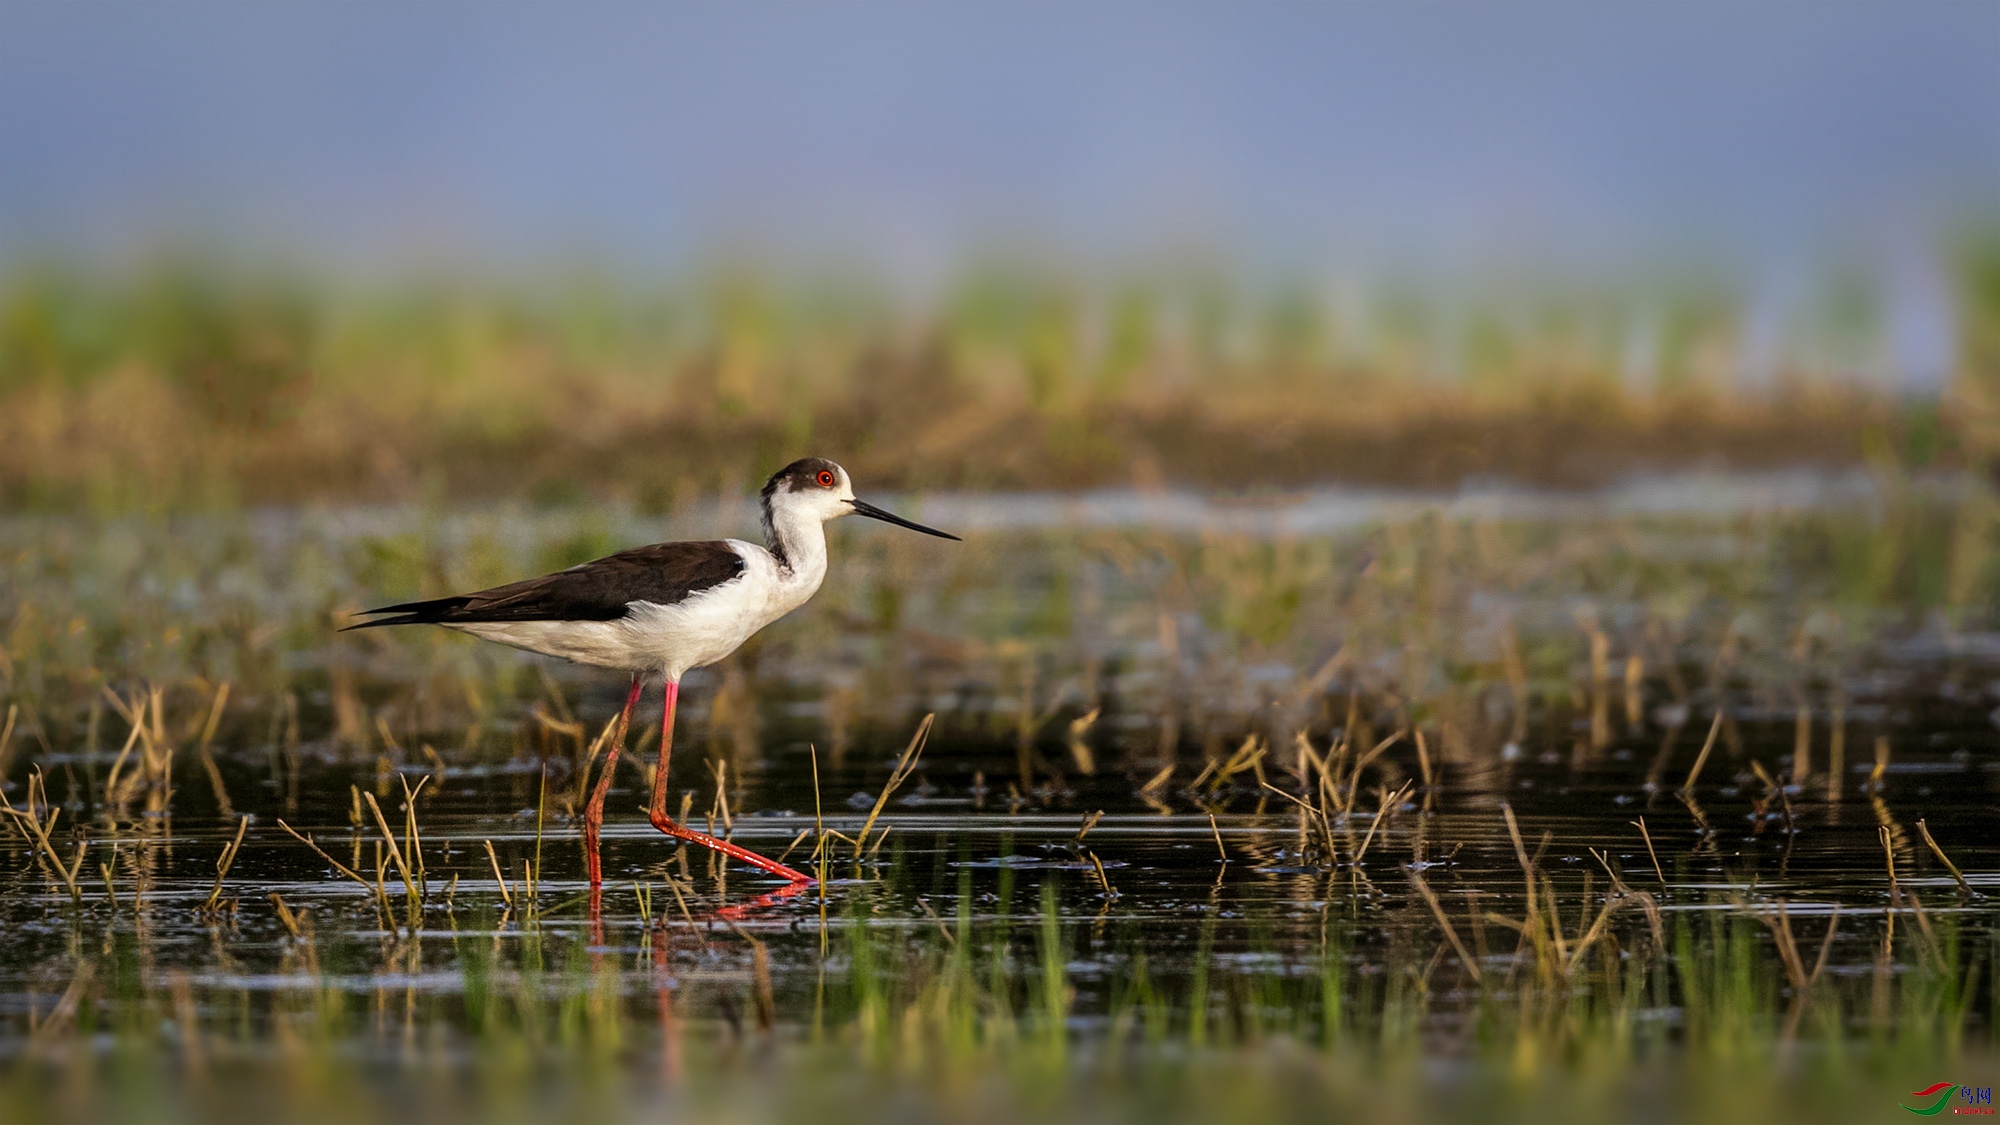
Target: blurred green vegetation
192, 384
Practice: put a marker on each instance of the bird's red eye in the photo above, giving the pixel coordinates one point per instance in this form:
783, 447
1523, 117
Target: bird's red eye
825, 478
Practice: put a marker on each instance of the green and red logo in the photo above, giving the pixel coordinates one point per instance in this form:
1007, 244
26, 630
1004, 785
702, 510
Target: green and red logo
1932, 1100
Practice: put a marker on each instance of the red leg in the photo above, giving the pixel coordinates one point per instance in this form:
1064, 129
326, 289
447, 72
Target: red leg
593, 813
658, 813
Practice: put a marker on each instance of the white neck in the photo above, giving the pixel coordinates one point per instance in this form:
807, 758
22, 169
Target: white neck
797, 540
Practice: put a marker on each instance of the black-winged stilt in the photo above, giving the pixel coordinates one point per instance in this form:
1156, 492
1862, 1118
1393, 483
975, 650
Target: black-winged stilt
662, 610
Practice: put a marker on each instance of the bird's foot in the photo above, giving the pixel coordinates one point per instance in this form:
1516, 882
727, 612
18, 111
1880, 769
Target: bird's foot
733, 851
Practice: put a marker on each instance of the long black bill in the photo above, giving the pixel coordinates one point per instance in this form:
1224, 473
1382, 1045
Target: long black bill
864, 508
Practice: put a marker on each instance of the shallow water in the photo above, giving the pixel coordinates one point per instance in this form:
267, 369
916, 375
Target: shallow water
1562, 657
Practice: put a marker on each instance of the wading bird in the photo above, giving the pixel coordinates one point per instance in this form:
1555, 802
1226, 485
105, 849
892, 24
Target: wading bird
659, 611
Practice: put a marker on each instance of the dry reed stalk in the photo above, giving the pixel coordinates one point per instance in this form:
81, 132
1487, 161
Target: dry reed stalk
567, 728
1312, 767
506, 892
1089, 822
1897, 895
1217, 830
1600, 687
39, 831
1764, 778
718, 768
794, 845
1881, 764
1354, 778
1635, 700
1102, 879
287, 917
1590, 938
1554, 915
1583, 904
1465, 958
1478, 922
395, 852
1520, 850
223, 862
134, 714
76, 867
1248, 756
1700, 821
1626, 893
1079, 750
534, 873
597, 746
1530, 928
1772, 788
1206, 772
1701, 759
156, 753
554, 693
1963, 886
307, 840
904, 767
1338, 754
1305, 810
412, 842
1640, 824
1389, 801
208, 729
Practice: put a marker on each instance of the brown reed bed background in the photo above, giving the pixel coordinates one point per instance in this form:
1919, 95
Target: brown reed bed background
194, 384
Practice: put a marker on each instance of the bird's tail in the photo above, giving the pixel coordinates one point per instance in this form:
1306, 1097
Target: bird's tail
436, 611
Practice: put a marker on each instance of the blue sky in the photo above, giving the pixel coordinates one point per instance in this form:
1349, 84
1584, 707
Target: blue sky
905, 135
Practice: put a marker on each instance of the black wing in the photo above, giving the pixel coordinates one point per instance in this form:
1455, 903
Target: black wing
663, 574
